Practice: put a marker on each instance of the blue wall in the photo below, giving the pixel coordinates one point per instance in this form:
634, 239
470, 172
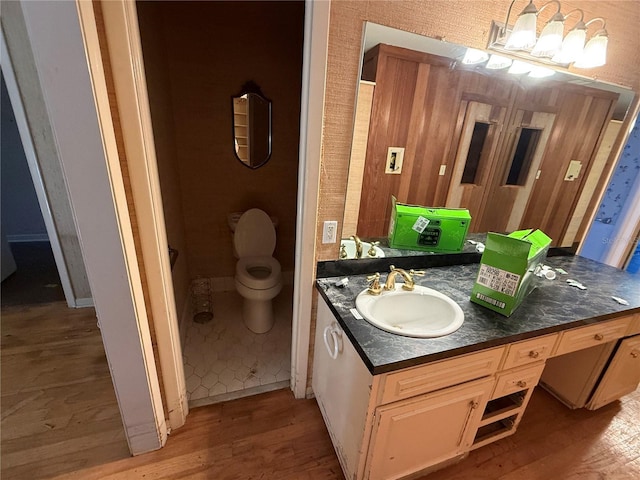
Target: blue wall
21, 215
625, 180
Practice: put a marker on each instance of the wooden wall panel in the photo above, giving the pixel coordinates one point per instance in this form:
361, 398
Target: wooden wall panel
580, 122
459, 22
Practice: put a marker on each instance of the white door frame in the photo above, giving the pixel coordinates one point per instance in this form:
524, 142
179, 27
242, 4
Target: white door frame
92, 173
314, 68
125, 55
36, 175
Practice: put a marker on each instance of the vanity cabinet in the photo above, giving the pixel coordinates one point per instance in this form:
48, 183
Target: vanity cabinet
411, 421
412, 435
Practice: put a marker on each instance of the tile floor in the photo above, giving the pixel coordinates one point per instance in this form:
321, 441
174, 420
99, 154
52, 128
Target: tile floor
223, 359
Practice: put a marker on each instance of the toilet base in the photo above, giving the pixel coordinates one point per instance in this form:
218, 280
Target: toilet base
258, 315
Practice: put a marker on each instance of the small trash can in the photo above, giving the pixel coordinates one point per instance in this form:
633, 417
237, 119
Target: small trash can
201, 300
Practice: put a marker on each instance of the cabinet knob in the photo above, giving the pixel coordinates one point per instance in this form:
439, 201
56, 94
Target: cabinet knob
635, 354
521, 384
598, 336
534, 354
473, 404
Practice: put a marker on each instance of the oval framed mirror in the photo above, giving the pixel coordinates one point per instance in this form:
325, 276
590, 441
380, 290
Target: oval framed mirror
251, 126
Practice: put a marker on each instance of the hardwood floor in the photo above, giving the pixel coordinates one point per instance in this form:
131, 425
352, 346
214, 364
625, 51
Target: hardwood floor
60, 420
59, 409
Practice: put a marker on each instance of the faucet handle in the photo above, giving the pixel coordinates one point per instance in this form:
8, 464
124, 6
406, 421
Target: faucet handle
372, 249
416, 273
343, 251
374, 287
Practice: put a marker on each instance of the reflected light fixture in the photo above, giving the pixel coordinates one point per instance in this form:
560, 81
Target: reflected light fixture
518, 67
473, 56
541, 72
497, 62
550, 47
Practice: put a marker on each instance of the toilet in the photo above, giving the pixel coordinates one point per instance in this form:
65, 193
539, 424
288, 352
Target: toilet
258, 275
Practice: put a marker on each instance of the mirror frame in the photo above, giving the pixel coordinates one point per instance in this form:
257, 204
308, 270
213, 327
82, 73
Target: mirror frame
251, 88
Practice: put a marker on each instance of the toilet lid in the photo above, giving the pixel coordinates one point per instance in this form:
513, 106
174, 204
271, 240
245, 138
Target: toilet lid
255, 235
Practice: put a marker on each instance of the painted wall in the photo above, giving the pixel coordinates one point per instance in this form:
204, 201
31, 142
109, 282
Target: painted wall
212, 49
462, 22
614, 205
21, 216
24, 66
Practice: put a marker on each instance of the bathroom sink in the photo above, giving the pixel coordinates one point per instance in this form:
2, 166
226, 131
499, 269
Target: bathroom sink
422, 312
350, 249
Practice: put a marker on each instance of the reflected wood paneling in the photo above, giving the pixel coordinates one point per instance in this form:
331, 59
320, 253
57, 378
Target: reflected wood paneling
420, 104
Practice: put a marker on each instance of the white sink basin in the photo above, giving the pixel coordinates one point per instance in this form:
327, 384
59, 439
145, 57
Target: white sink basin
422, 313
350, 248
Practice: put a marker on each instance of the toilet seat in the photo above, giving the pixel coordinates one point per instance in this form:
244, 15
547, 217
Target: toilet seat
255, 235
245, 276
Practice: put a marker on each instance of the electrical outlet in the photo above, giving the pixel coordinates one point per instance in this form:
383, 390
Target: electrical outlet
329, 231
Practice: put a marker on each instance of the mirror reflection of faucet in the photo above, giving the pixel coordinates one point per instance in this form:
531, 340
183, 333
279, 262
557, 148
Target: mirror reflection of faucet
358, 245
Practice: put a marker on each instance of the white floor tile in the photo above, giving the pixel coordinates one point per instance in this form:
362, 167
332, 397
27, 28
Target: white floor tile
223, 356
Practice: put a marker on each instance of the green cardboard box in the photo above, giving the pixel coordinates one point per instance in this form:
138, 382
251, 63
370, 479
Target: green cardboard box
507, 269
413, 227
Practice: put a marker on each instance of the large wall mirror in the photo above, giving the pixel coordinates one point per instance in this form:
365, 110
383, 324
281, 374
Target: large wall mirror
518, 151
251, 126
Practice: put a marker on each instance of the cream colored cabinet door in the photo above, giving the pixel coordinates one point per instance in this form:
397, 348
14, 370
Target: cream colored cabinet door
622, 376
414, 434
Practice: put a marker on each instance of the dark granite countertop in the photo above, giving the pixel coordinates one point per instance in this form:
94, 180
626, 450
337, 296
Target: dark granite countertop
553, 306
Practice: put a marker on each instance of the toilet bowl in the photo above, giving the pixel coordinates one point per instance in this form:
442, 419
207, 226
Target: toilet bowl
258, 276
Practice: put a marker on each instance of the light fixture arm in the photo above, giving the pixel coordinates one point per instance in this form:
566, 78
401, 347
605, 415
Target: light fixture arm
549, 3
530, 8
603, 30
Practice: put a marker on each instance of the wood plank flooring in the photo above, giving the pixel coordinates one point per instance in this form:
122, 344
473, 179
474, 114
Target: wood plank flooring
59, 409
59, 420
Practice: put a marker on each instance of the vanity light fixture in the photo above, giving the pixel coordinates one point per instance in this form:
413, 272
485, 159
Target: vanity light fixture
595, 51
550, 47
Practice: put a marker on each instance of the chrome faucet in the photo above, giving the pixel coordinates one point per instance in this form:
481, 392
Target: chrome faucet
409, 283
358, 245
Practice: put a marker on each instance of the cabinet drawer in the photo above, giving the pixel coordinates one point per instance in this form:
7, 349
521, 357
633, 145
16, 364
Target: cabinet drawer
529, 351
597, 334
446, 373
517, 379
634, 326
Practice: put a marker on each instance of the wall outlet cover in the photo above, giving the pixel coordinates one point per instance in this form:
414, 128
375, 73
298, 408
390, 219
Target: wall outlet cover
329, 231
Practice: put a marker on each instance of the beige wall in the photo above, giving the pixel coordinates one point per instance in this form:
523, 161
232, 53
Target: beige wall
212, 49
462, 22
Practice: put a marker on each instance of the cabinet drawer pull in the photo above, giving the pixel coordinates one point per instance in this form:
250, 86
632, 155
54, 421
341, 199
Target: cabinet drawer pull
534, 354
598, 336
521, 383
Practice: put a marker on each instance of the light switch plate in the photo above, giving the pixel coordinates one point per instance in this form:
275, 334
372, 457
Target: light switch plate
573, 171
395, 156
